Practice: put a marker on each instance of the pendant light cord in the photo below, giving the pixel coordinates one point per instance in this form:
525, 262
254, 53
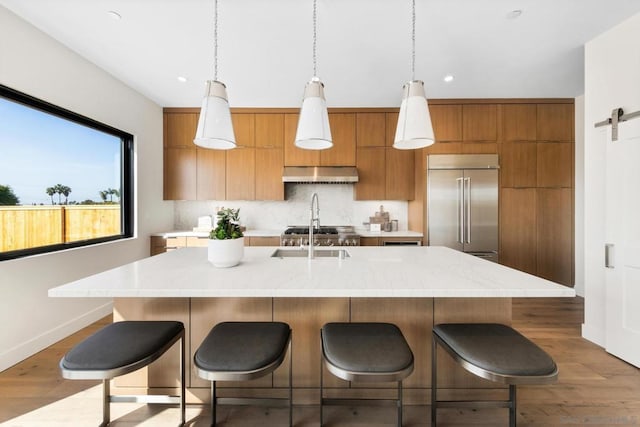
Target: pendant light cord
215, 40
315, 37
413, 40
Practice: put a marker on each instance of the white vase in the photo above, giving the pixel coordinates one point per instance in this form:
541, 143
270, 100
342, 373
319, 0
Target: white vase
225, 253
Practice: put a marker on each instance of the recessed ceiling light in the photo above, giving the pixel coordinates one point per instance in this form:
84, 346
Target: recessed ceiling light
182, 79
514, 14
114, 15
448, 78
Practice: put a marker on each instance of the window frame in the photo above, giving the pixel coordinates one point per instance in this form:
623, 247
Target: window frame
126, 173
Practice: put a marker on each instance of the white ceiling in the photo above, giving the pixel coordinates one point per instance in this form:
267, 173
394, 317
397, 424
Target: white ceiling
364, 46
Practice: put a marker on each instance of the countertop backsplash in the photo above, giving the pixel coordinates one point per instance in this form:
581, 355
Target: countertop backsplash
337, 207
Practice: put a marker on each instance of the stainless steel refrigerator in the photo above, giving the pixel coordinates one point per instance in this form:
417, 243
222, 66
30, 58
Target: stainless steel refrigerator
462, 203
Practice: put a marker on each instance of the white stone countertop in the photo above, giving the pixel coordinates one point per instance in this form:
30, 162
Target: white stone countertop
415, 271
276, 233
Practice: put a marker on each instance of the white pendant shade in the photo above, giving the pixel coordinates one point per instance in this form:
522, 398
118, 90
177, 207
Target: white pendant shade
313, 125
215, 129
414, 122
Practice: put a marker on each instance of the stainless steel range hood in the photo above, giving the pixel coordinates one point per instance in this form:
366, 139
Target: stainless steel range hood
320, 174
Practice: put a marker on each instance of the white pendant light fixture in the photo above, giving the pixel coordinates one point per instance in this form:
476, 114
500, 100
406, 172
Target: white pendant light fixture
215, 129
313, 125
414, 122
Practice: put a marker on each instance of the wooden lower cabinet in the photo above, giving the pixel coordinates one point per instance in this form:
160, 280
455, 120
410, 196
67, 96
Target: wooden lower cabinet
414, 316
262, 241
554, 237
518, 229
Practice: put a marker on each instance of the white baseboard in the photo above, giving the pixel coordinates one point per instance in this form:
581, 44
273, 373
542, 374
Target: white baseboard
32, 346
595, 335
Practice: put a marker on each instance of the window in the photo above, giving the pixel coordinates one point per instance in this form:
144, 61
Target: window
65, 180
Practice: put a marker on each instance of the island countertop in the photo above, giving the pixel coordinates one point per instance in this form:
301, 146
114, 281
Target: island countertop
425, 271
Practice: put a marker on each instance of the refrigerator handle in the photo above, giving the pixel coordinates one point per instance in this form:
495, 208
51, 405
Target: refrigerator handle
460, 228
467, 200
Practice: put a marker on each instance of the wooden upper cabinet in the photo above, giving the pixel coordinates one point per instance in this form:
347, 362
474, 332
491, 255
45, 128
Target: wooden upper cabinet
370, 129
180, 129
555, 164
211, 174
269, 163
447, 122
269, 130
519, 122
294, 156
343, 133
241, 161
479, 122
518, 164
180, 173
390, 131
399, 177
371, 183
555, 122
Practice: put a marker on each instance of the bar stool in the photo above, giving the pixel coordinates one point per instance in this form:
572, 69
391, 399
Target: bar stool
494, 352
365, 352
239, 351
120, 348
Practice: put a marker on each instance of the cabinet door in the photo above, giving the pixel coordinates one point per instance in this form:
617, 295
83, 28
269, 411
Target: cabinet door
369, 241
269, 163
554, 240
211, 174
555, 122
370, 129
400, 179
343, 133
180, 173
519, 122
518, 228
518, 165
269, 130
180, 129
371, 183
555, 164
479, 122
294, 156
447, 122
241, 174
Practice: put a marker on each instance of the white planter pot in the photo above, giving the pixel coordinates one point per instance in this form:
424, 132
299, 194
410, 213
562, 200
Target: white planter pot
225, 253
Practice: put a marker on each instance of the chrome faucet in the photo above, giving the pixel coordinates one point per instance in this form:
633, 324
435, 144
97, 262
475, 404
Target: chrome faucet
314, 221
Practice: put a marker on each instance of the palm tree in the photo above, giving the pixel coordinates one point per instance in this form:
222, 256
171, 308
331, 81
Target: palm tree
50, 192
65, 192
116, 193
103, 195
58, 189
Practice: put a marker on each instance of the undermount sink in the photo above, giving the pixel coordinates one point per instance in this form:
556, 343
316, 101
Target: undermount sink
304, 253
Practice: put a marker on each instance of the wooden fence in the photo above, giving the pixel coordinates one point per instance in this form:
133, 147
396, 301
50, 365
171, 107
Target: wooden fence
23, 227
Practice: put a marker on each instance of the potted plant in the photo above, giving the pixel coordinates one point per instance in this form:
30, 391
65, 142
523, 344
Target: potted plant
226, 241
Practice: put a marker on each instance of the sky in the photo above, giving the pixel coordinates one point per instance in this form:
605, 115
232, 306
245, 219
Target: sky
38, 150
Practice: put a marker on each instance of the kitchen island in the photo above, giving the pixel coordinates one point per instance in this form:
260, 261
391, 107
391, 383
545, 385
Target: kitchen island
413, 287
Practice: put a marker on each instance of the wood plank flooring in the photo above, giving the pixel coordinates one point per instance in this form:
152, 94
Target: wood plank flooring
594, 389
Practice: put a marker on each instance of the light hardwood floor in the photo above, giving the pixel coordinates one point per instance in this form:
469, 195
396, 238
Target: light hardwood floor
595, 389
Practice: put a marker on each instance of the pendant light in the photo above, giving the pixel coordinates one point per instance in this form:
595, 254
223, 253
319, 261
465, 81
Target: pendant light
313, 131
414, 122
215, 129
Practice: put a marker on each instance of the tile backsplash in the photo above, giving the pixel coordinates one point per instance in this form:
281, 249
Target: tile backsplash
337, 207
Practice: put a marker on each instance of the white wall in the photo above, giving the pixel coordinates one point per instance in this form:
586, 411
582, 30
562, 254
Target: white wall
579, 197
34, 63
337, 207
612, 67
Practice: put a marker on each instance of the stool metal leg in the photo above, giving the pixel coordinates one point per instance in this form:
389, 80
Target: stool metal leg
213, 403
512, 405
290, 384
434, 381
106, 402
182, 382
399, 403
321, 395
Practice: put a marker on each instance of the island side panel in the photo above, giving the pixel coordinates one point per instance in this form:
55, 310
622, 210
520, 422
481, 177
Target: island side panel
466, 310
207, 312
306, 316
414, 317
164, 372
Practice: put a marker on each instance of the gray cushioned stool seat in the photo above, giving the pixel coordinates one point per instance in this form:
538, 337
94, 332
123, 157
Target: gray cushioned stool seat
369, 352
239, 351
492, 351
121, 344
123, 347
366, 347
242, 346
